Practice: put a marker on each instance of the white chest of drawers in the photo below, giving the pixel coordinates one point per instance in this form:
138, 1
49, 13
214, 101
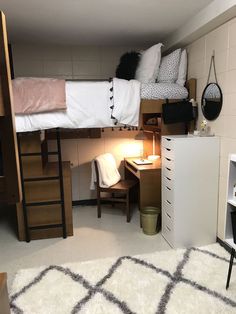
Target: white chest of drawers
190, 175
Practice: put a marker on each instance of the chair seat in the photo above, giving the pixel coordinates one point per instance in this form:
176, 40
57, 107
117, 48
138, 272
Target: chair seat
122, 185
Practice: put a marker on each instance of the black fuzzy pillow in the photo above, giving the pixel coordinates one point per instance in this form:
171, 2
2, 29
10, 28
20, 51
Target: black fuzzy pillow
128, 65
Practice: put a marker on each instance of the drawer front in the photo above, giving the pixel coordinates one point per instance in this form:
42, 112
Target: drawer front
167, 194
167, 152
168, 220
168, 162
167, 230
167, 209
168, 172
166, 181
167, 142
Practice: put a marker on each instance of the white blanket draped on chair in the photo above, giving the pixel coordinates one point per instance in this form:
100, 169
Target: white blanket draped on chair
108, 173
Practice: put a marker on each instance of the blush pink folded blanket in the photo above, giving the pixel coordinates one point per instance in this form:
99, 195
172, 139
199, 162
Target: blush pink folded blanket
34, 95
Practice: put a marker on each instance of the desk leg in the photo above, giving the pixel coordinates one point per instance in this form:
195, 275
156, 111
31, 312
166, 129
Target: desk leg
135, 191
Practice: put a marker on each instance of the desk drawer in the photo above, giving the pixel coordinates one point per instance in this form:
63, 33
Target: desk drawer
167, 230
167, 152
166, 181
167, 208
168, 172
167, 142
168, 162
168, 220
168, 194
132, 169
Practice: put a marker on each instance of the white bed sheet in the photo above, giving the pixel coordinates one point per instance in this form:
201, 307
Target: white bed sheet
89, 106
163, 91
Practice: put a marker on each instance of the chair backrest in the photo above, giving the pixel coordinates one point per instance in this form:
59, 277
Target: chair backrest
106, 170
97, 173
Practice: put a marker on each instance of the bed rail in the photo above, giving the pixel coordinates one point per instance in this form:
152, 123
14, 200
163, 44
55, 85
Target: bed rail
10, 187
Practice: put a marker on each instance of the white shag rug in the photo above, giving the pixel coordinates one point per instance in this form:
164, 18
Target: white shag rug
175, 281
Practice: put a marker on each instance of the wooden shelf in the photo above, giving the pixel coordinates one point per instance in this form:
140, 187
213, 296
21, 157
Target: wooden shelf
151, 128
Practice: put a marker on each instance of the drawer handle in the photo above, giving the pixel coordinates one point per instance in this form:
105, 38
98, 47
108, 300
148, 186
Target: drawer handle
168, 215
168, 228
168, 178
168, 149
168, 139
168, 188
168, 169
168, 202
168, 159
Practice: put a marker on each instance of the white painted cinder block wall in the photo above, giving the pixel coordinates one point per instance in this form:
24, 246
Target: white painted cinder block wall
223, 41
79, 62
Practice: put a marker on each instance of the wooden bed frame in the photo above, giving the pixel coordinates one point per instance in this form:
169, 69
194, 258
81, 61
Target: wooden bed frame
10, 184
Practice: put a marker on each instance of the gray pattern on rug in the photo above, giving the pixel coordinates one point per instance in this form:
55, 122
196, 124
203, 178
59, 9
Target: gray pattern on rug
130, 285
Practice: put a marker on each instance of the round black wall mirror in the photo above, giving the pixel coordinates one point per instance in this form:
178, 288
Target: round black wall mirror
212, 100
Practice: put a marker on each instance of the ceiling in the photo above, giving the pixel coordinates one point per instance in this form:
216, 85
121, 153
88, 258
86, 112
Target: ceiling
103, 22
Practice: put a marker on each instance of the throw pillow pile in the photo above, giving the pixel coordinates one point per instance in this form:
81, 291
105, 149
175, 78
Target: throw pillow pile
150, 67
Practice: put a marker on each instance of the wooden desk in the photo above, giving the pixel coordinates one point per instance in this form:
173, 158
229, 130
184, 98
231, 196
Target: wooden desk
149, 177
4, 300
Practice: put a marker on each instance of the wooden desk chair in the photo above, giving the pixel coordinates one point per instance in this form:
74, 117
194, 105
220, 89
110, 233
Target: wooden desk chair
122, 187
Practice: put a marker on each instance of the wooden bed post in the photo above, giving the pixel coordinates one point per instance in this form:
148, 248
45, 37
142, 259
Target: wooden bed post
11, 174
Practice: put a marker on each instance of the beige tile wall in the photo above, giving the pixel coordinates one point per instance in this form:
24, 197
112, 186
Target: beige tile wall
223, 41
79, 62
72, 62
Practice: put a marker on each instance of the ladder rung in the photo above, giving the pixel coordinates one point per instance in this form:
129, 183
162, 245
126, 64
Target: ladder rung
32, 179
46, 226
40, 203
44, 177
38, 154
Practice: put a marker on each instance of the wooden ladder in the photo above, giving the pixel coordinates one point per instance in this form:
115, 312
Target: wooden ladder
26, 204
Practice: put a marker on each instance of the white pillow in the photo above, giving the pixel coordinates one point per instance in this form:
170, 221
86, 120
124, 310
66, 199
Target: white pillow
149, 64
182, 68
169, 67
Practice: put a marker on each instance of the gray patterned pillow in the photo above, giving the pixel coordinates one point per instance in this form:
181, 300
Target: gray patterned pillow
169, 67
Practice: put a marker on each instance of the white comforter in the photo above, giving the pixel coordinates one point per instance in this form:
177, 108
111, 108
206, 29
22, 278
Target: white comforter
89, 105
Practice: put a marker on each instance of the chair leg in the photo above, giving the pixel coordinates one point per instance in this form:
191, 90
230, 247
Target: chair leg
128, 217
99, 204
230, 267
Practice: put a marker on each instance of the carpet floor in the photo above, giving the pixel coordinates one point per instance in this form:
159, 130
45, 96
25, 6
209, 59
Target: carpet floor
175, 281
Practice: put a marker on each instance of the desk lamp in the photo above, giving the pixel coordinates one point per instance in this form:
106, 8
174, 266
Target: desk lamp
141, 136
153, 157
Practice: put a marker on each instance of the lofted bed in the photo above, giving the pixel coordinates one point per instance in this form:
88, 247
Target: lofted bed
12, 179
